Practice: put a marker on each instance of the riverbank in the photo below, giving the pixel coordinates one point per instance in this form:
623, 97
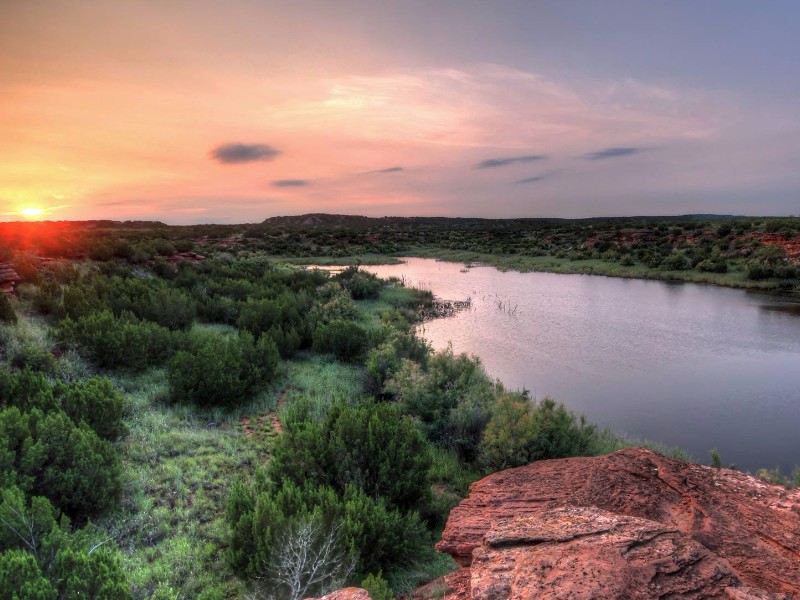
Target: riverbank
552, 264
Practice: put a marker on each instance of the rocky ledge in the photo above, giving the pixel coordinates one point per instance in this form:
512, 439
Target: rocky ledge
633, 524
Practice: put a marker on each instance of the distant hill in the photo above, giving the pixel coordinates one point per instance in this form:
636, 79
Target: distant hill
330, 220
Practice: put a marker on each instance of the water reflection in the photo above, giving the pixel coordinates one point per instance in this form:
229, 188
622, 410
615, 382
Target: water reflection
690, 365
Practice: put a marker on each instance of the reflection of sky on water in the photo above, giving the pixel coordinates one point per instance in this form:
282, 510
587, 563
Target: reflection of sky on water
695, 366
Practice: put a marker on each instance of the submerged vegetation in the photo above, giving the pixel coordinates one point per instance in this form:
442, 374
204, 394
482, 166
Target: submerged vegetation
184, 415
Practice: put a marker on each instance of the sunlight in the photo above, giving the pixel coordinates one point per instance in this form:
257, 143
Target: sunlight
31, 212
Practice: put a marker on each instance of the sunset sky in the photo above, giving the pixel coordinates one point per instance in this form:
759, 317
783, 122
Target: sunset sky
208, 111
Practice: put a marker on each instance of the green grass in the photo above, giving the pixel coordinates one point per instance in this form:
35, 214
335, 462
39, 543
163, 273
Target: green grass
180, 463
322, 382
552, 264
607, 442
394, 300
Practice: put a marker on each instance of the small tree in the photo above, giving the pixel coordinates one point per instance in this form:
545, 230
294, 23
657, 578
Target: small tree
309, 559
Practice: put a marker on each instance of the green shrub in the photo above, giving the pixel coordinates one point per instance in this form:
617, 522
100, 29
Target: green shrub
118, 342
360, 284
21, 577
7, 314
95, 402
42, 558
371, 446
452, 398
221, 370
377, 536
377, 587
522, 431
48, 455
346, 340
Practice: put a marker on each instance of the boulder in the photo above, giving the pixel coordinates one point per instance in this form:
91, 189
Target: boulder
8, 278
348, 593
605, 527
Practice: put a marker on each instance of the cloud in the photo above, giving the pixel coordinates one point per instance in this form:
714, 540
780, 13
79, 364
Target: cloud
291, 182
389, 170
531, 179
612, 153
502, 162
237, 153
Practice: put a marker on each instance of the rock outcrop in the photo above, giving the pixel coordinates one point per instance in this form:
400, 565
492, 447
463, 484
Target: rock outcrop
349, 593
633, 524
8, 278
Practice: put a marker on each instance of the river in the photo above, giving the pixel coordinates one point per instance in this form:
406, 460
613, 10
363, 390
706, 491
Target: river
688, 365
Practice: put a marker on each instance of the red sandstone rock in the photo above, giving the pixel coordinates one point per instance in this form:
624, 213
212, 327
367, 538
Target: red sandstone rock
349, 593
715, 532
8, 278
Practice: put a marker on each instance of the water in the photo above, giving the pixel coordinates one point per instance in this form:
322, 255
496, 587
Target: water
688, 365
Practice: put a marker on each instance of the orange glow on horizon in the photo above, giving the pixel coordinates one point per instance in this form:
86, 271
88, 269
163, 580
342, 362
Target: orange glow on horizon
31, 212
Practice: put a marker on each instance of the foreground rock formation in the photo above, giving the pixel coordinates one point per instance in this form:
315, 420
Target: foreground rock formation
349, 593
633, 524
8, 278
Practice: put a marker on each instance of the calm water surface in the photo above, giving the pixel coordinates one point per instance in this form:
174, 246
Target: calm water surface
688, 365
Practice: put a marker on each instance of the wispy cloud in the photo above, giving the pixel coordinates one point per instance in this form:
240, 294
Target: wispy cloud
490, 163
612, 153
291, 182
237, 153
388, 170
531, 179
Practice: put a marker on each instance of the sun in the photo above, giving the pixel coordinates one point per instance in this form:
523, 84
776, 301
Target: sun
31, 212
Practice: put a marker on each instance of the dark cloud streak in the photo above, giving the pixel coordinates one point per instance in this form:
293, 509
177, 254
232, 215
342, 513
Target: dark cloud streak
291, 182
238, 153
389, 170
490, 163
612, 153
531, 179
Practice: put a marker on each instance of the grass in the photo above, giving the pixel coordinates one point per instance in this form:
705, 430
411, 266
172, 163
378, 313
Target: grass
180, 463
322, 381
552, 264
393, 299
607, 442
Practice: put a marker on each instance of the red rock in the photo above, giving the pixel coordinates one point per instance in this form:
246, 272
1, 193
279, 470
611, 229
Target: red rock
8, 278
742, 532
349, 593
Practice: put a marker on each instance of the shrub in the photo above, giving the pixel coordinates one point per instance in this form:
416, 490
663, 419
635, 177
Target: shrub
344, 339
94, 402
118, 342
7, 314
221, 370
452, 398
522, 431
21, 577
377, 587
48, 455
370, 446
377, 536
360, 284
41, 558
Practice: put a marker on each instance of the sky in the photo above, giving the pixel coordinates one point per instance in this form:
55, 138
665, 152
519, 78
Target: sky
201, 111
